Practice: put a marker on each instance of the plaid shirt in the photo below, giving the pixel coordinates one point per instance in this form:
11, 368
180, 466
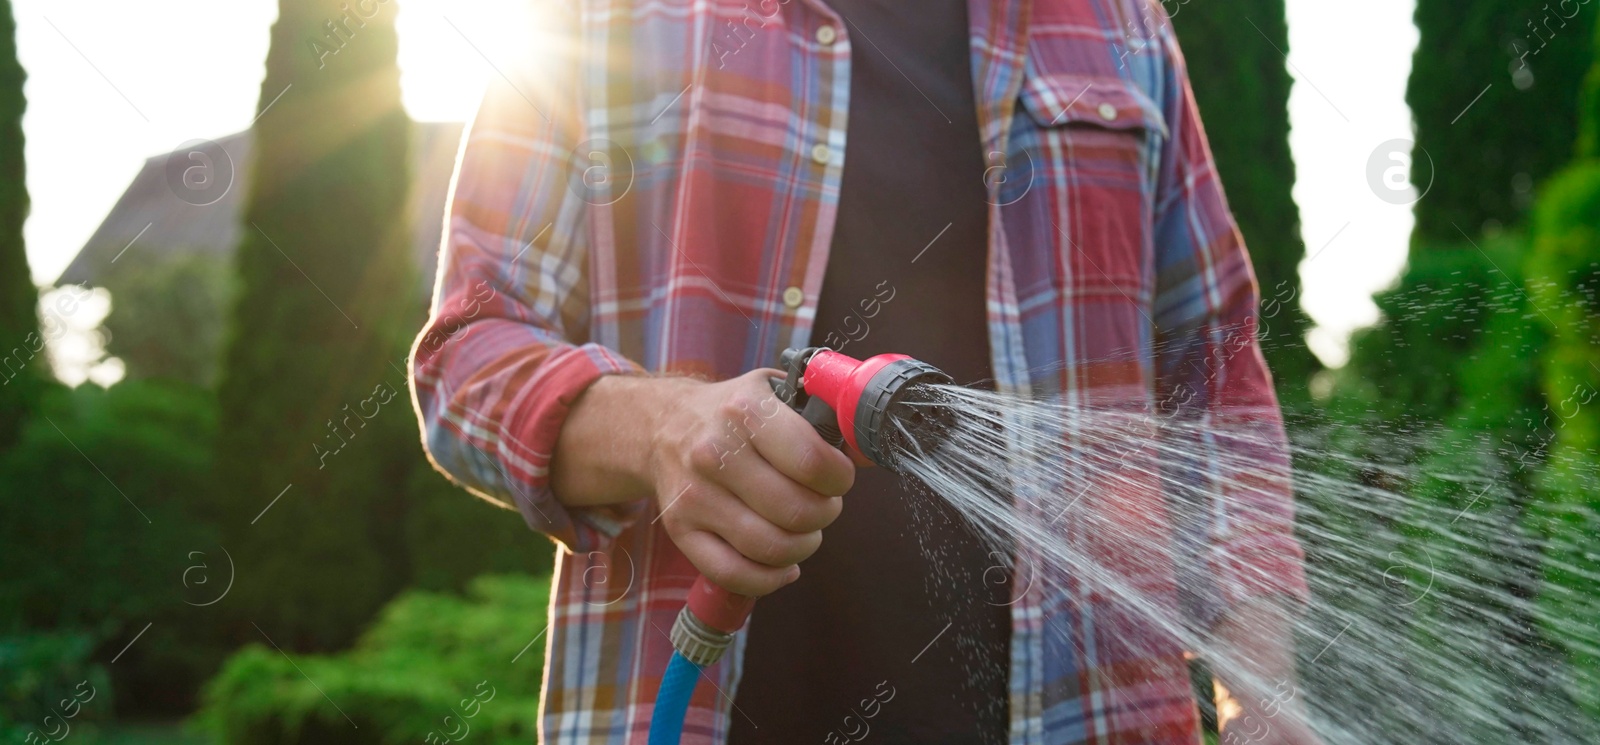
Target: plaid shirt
661, 197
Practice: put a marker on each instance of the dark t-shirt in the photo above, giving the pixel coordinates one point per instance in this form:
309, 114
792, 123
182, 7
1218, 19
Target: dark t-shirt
899, 623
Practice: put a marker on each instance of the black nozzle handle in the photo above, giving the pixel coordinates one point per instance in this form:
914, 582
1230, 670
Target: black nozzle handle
824, 420
815, 411
790, 390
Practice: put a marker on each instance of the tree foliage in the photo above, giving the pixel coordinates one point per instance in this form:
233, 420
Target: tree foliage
319, 320
164, 321
1241, 83
1453, 371
1477, 160
1493, 91
324, 494
1565, 273
20, 344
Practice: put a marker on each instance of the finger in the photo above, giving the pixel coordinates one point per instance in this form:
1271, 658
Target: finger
788, 442
774, 496
709, 507
767, 377
759, 540
725, 567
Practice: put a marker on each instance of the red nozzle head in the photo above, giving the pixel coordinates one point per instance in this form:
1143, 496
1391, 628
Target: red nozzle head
865, 392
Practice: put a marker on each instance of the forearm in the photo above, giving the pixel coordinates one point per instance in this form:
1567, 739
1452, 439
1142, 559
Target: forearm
602, 455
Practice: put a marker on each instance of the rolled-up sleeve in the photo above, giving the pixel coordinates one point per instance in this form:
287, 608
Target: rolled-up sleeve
502, 357
1228, 467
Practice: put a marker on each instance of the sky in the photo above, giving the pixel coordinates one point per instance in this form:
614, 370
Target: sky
112, 83
1350, 61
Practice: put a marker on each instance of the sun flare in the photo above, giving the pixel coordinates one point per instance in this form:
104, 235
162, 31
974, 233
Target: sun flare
452, 50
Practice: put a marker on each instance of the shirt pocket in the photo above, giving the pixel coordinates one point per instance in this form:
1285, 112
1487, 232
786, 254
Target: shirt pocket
1094, 146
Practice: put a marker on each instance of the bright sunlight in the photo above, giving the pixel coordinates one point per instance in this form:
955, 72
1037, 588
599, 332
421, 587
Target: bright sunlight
451, 51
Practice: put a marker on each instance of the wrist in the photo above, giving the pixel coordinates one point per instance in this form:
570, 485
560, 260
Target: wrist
661, 420
604, 454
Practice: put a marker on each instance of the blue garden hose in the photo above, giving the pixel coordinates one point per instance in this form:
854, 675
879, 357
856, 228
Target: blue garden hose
697, 644
828, 389
672, 701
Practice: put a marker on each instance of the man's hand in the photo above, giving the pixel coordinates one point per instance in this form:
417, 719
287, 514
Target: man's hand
1255, 662
744, 485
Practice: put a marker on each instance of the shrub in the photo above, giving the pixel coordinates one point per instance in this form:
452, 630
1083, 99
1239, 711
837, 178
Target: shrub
40, 671
1447, 397
1565, 267
95, 503
98, 521
429, 657
79, 554
1410, 365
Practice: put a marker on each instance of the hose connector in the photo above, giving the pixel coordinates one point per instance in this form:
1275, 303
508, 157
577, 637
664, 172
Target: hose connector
707, 623
697, 641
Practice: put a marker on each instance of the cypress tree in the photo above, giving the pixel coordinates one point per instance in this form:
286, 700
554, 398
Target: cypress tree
1589, 107
1241, 82
1493, 92
21, 345
317, 440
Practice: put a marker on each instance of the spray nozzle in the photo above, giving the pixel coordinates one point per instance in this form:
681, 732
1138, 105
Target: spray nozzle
868, 404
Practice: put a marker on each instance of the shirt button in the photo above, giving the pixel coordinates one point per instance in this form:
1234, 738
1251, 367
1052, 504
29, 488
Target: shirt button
1108, 112
826, 35
793, 297
821, 154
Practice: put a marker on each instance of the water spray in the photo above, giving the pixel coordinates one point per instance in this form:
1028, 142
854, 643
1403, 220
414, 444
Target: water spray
865, 406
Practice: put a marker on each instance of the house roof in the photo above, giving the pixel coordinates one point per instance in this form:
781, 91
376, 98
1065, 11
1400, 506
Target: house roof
151, 222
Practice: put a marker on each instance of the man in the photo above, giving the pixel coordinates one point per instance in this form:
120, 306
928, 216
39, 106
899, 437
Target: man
1010, 190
